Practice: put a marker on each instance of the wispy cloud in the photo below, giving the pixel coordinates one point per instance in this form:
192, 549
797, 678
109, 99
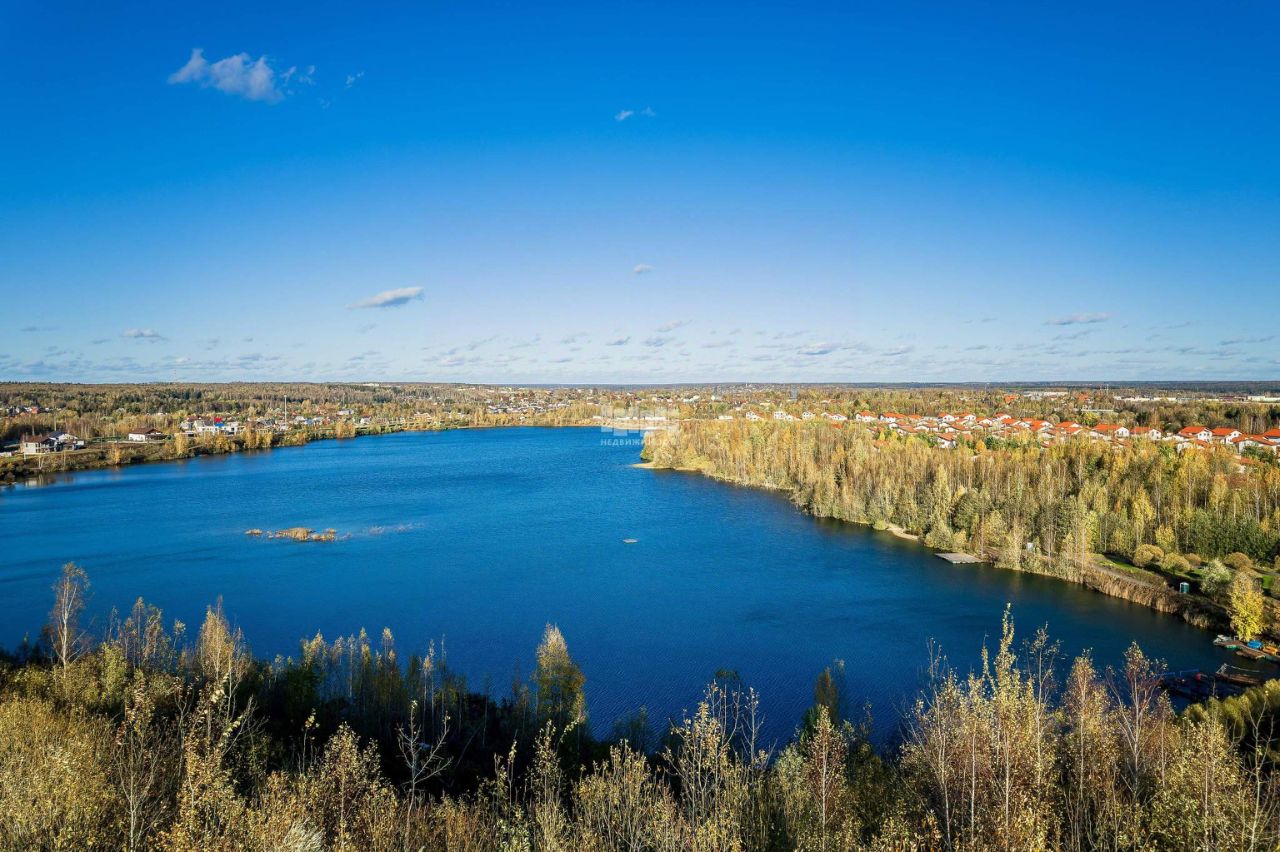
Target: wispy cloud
819, 348
1078, 319
657, 341
352, 79
624, 114
618, 341
1074, 335
390, 298
304, 78
141, 334
1238, 340
641, 269
239, 75
671, 326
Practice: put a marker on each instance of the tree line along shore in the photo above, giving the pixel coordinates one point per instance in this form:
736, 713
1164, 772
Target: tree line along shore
1135, 521
143, 736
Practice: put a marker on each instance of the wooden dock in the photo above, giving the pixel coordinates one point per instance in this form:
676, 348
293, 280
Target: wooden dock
959, 558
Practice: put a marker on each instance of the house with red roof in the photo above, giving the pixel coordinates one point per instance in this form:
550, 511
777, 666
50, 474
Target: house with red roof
1224, 434
1196, 433
1111, 430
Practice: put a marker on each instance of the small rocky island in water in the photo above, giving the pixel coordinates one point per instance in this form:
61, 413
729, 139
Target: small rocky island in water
296, 534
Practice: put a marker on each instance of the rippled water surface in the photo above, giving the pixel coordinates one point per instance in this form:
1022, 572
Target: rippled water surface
481, 537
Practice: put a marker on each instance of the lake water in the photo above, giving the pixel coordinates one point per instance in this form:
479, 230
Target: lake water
481, 537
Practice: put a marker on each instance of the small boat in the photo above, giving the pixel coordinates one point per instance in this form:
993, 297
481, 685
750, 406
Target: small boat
1239, 677
629, 540
1194, 685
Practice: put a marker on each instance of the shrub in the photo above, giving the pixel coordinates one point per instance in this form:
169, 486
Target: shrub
1216, 578
1238, 561
1175, 564
1147, 554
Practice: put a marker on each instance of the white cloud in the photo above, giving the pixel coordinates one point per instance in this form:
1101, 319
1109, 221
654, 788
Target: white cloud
141, 334
819, 348
352, 79
1078, 319
390, 298
656, 341
618, 341
671, 326
251, 79
641, 269
624, 114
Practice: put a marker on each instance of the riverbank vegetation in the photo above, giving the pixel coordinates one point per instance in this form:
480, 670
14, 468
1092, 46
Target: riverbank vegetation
145, 737
213, 419
1198, 517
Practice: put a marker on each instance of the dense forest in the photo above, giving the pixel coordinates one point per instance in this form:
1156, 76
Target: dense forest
146, 738
1198, 515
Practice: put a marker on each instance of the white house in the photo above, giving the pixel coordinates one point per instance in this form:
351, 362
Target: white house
55, 442
145, 435
1196, 433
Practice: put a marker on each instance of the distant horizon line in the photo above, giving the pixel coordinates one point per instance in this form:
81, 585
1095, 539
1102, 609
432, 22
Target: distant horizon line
991, 383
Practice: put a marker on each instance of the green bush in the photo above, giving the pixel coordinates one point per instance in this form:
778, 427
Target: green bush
1147, 554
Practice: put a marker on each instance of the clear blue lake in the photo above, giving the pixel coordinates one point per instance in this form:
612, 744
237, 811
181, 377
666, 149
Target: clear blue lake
476, 539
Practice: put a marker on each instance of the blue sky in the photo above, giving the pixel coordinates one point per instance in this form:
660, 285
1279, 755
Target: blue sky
640, 192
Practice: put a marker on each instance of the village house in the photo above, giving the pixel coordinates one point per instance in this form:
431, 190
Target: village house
1224, 435
1110, 430
55, 442
143, 436
1196, 433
